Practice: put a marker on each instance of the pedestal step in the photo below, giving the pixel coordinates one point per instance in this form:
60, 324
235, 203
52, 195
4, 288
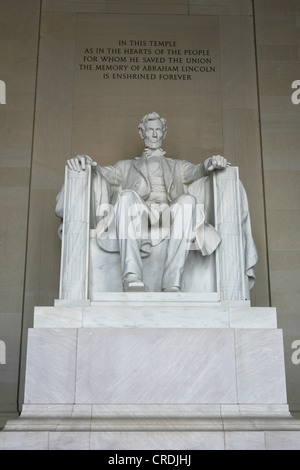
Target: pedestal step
158, 310
206, 427
155, 366
145, 372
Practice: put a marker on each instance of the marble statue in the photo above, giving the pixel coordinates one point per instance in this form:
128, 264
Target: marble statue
149, 202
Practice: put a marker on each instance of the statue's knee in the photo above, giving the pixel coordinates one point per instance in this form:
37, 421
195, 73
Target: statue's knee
185, 199
126, 193
127, 196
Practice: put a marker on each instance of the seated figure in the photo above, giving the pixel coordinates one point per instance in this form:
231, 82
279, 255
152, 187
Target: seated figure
138, 203
151, 203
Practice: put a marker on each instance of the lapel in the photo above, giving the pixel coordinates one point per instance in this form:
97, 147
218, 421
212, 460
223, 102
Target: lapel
168, 166
139, 164
168, 171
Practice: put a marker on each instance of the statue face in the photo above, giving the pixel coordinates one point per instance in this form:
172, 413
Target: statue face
153, 135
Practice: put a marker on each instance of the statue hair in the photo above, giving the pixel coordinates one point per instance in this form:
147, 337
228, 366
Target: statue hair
152, 117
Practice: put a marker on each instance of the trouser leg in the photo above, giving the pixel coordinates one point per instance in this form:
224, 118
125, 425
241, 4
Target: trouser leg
182, 220
131, 213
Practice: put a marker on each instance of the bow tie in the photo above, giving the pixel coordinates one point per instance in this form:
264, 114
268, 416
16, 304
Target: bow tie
153, 153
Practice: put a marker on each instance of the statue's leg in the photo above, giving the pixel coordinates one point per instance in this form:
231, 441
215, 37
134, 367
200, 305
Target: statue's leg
182, 220
131, 212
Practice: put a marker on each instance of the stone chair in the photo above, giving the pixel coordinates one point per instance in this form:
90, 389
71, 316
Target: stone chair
87, 271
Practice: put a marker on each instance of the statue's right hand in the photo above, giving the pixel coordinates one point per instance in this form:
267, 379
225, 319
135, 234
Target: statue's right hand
79, 162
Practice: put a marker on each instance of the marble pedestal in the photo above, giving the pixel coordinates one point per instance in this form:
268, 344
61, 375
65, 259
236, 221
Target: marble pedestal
154, 371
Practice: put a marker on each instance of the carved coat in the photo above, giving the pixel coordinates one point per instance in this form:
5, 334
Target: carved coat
109, 181
132, 174
181, 177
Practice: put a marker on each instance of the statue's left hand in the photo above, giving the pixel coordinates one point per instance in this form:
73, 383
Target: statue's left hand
216, 162
79, 162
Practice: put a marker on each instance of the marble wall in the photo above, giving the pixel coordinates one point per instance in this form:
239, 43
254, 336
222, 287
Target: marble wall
19, 29
37, 136
277, 25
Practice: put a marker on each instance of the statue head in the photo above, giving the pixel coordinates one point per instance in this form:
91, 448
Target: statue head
153, 130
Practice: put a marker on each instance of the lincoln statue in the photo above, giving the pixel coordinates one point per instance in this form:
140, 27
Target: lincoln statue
152, 191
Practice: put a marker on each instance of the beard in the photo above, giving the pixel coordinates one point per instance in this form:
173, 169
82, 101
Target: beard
153, 145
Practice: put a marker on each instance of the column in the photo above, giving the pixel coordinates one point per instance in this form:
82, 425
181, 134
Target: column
229, 256
75, 239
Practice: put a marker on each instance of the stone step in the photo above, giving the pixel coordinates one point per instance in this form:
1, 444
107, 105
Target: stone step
154, 310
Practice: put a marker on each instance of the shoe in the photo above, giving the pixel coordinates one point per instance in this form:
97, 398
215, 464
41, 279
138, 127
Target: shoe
172, 289
131, 283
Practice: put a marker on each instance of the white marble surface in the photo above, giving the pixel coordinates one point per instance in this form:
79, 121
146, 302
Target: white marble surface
254, 317
51, 366
69, 441
138, 411
75, 235
157, 440
58, 317
147, 440
283, 440
150, 427
260, 366
241, 440
147, 385
153, 427
26, 440
151, 440
155, 310
230, 253
155, 366
87, 270
163, 420
166, 316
